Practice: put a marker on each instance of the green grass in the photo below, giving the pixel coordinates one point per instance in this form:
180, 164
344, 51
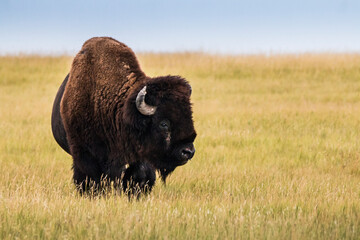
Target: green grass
278, 154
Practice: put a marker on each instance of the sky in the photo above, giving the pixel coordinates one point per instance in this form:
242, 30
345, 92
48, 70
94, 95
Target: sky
220, 27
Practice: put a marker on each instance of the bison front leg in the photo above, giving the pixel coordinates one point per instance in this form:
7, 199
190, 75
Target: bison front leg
81, 180
86, 184
87, 171
138, 178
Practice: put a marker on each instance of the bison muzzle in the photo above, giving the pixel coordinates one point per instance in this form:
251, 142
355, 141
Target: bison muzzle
118, 124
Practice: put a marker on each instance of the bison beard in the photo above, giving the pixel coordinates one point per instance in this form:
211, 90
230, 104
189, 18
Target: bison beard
118, 124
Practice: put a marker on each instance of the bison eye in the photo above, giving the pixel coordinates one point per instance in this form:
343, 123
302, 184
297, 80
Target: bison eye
164, 125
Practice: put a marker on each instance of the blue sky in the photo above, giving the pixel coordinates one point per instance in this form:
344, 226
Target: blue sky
224, 26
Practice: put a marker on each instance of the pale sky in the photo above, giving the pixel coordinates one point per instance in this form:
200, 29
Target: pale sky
224, 26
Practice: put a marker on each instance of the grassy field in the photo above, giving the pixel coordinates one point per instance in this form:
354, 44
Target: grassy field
278, 154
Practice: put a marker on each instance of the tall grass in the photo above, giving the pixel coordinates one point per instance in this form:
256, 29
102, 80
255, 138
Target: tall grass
277, 154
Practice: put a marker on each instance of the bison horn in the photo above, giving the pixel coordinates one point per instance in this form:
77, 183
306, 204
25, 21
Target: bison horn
144, 108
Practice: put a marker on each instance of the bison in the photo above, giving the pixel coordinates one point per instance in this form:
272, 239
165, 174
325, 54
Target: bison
119, 124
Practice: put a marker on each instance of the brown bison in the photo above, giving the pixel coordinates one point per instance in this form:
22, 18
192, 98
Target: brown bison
119, 124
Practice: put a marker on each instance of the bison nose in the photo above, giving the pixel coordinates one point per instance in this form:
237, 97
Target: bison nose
187, 153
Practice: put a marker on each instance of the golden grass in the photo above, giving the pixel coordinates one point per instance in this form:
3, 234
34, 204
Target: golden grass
278, 154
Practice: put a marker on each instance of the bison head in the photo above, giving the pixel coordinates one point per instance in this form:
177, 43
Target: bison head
160, 111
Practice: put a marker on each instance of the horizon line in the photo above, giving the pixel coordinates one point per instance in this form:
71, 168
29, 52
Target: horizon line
200, 52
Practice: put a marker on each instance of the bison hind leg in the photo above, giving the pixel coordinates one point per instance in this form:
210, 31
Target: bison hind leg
138, 178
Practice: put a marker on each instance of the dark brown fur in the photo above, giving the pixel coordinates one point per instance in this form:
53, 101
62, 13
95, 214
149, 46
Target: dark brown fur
104, 130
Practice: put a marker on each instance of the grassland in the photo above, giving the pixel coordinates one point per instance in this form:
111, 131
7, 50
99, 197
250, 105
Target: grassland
278, 154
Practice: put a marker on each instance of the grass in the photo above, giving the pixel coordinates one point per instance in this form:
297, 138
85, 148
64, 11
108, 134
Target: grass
278, 154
